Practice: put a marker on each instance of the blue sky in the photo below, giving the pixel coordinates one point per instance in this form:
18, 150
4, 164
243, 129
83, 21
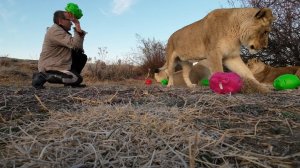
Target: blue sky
109, 23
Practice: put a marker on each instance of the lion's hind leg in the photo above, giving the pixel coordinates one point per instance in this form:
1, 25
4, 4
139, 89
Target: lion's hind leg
186, 70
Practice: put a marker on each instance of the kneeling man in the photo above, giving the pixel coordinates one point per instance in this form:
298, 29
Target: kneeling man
62, 58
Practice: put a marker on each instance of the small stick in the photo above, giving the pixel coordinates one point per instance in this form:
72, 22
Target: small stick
255, 128
148, 73
192, 150
4, 102
152, 158
288, 124
42, 104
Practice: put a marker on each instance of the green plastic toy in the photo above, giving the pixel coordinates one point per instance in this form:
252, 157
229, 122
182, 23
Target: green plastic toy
204, 82
164, 82
74, 9
286, 81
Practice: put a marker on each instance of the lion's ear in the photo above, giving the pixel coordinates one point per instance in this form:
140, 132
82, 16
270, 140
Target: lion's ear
265, 14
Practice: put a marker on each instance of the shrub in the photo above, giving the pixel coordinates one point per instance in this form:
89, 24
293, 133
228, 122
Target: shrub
151, 54
101, 70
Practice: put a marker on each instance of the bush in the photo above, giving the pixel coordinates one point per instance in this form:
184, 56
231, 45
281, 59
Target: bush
151, 54
100, 70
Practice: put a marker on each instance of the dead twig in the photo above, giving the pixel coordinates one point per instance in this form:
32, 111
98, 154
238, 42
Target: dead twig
41, 103
255, 128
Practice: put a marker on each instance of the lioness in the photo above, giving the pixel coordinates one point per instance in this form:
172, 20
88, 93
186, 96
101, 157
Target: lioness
266, 74
198, 72
218, 38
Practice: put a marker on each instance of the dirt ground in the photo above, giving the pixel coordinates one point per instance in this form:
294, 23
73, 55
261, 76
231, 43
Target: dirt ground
129, 124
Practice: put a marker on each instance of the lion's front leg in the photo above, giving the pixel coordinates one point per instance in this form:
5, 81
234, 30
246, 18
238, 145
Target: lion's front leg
186, 69
236, 64
171, 69
215, 64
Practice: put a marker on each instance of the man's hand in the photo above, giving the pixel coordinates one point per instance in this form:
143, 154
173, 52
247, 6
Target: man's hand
75, 21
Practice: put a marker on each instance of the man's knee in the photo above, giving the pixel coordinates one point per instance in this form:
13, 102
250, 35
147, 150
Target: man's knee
79, 54
79, 80
83, 58
79, 60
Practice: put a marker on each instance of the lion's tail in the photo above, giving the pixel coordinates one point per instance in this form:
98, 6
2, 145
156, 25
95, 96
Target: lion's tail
169, 50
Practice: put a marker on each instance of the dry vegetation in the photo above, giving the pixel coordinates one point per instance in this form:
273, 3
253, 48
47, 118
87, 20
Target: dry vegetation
117, 121
129, 124
15, 71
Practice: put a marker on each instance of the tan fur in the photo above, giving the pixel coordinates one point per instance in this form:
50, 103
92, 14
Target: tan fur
218, 38
197, 73
266, 74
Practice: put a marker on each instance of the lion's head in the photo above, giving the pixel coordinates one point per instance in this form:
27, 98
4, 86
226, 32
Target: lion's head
255, 31
255, 65
160, 75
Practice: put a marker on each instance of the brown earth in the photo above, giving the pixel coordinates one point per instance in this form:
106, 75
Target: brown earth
128, 124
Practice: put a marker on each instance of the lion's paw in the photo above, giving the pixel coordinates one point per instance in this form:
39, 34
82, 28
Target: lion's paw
252, 86
192, 85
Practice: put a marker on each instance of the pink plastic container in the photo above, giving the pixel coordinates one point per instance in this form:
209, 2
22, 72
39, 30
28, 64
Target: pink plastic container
225, 83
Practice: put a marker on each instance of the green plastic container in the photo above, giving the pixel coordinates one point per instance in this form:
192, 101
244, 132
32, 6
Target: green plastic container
74, 9
164, 82
286, 81
204, 82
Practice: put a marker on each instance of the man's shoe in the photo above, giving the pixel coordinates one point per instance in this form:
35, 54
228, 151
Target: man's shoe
75, 86
38, 80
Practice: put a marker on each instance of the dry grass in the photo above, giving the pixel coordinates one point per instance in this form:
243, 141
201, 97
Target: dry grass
139, 126
100, 71
16, 72
128, 124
